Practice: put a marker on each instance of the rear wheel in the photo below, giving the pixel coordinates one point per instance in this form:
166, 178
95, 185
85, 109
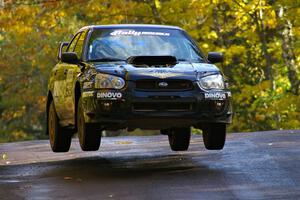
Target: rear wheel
179, 138
60, 138
214, 136
89, 138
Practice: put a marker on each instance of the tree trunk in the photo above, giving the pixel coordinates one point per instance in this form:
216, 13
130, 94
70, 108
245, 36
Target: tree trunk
155, 12
261, 32
289, 56
219, 21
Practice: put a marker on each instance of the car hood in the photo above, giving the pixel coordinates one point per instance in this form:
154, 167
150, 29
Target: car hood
187, 71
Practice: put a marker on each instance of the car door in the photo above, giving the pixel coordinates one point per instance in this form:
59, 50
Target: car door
72, 70
60, 85
58, 88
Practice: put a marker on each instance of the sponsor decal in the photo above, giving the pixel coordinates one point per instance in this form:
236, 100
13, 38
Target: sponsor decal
160, 73
70, 75
228, 94
215, 95
87, 94
87, 85
59, 88
109, 95
137, 33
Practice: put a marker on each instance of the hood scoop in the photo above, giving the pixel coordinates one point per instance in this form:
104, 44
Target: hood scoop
152, 61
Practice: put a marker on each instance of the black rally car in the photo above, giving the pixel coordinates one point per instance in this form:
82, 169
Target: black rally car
136, 76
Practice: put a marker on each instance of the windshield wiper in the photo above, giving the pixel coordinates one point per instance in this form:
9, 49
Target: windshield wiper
106, 59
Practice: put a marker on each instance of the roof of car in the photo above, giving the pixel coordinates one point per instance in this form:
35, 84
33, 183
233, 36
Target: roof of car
130, 26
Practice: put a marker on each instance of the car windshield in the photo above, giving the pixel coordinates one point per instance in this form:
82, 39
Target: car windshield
120, 44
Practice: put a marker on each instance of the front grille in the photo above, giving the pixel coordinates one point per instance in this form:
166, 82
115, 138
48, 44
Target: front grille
164, 85
163, 107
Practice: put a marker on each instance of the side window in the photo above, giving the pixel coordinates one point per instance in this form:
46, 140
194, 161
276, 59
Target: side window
73, 43
79, 45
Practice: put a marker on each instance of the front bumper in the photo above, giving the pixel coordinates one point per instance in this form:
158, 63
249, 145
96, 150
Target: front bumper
131, 108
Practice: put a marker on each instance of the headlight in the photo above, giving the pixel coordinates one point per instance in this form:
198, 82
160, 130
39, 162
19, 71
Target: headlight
106, 81
212, 82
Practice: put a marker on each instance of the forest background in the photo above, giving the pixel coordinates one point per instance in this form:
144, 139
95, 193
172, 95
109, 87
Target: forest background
260, 40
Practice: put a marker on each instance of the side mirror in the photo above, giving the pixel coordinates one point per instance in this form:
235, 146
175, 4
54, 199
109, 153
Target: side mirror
69, 57
61, 49
215, 57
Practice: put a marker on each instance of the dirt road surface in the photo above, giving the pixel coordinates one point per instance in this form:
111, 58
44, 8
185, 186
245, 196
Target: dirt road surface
260, 165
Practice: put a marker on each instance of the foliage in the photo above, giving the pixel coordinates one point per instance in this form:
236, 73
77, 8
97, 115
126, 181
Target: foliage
259, 38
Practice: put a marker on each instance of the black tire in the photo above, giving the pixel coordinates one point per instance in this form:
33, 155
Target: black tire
214, 136
60, 138
89, 138
179, 138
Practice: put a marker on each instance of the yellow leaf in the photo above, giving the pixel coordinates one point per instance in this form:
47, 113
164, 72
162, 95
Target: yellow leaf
4, 156
123, 142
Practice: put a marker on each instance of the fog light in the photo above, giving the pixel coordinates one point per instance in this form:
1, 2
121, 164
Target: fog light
106, 106
219, 106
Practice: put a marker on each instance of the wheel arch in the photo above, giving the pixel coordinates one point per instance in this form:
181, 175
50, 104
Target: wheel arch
77, 94
49, 100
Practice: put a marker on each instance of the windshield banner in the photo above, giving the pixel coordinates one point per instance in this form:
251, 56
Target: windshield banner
137, 33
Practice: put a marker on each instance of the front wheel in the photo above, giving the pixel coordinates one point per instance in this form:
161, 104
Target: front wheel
60, 138
89, 139
214, 136
179, 138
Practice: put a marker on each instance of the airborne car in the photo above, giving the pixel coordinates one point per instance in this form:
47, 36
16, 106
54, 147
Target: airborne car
136, 76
